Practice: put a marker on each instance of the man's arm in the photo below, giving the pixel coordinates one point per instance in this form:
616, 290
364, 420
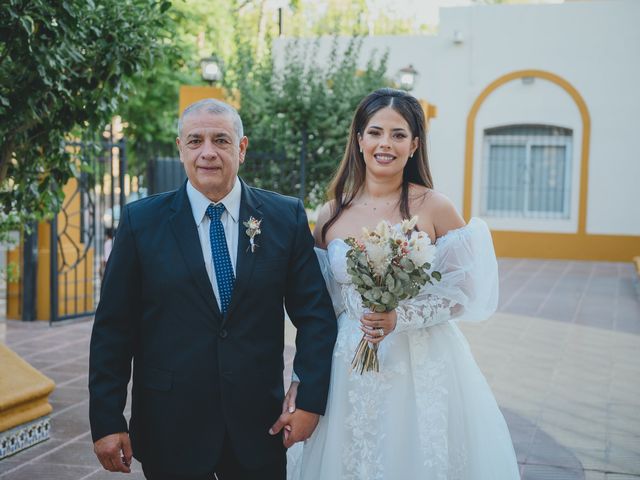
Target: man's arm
311, 311
111, 348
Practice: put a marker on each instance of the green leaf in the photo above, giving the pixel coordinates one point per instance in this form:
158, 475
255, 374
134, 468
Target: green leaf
402, 276
370, 295
27, 24
368, 281
386, 298
390, 282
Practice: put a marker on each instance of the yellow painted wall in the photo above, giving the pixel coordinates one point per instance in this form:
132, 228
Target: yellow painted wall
77, 291
579, 246
430, 110
190, 94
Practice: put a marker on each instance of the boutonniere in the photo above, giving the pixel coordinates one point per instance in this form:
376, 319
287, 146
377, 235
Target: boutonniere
253, 229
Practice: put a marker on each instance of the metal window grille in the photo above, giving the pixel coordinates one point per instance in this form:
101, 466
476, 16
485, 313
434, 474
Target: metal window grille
527, 172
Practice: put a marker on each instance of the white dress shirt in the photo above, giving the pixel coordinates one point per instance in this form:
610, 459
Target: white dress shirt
199, 204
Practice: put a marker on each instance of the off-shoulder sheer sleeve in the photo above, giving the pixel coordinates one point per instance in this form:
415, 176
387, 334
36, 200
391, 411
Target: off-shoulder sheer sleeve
468, 289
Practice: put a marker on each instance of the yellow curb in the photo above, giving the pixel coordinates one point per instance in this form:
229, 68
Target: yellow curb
24, 391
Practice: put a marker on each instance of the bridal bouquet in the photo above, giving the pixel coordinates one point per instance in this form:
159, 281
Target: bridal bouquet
388, 264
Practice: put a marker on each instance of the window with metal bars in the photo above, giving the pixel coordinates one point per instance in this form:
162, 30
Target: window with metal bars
527, 172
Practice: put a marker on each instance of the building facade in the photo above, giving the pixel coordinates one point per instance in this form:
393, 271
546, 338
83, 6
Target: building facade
537, 124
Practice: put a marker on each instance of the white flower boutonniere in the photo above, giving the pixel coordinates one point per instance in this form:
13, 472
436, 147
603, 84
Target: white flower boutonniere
253, 229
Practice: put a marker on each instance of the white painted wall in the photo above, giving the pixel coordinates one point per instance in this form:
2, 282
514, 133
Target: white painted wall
595, 46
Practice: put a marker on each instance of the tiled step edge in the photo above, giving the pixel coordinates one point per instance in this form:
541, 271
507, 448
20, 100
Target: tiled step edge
24, 436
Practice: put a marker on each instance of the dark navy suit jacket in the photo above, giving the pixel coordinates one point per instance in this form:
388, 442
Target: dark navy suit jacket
195, 372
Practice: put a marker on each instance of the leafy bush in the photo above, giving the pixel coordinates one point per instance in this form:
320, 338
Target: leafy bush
298, 116
64, 65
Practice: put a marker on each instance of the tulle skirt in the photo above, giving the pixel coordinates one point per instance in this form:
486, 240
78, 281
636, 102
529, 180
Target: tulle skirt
428, 414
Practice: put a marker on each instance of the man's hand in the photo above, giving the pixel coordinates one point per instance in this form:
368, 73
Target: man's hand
298, 426
289, 406
114, 452
289, 403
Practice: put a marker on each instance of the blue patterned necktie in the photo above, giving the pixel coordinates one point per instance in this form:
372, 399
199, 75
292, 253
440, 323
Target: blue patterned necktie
220, 253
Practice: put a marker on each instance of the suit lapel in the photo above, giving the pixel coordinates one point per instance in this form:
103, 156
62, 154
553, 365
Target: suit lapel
245, 259
186, 234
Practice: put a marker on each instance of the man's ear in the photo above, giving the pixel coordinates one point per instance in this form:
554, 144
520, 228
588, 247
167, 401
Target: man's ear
179, 147
244, 143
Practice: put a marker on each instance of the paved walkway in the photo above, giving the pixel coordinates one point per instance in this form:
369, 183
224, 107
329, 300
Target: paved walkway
562, 356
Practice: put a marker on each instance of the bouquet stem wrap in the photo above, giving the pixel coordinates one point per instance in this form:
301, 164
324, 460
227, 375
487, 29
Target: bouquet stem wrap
366, 357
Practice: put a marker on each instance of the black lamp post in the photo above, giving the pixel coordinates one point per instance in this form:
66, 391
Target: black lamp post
211, 69
406, 78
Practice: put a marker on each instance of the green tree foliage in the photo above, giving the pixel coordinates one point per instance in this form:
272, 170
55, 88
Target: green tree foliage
64, 65
239, 32
197, 28
340, 17
301, 112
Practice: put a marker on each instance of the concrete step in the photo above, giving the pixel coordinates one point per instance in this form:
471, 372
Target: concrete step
24, 403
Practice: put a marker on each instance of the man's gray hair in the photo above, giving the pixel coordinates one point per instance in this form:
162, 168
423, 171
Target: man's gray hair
215, 107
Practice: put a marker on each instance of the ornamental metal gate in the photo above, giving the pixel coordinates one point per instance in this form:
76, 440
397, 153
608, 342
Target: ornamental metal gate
81, 233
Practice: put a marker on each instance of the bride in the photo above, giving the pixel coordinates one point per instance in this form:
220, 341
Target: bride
429, 412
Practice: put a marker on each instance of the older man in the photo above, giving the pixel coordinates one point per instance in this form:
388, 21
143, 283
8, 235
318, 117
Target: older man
193, 292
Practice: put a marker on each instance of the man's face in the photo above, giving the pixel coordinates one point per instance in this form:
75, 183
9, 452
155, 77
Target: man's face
211, 153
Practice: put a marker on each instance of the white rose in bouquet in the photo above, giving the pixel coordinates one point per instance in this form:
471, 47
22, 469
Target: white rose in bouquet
421, 250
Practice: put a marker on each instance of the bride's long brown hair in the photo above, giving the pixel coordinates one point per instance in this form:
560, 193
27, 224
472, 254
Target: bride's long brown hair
350, 176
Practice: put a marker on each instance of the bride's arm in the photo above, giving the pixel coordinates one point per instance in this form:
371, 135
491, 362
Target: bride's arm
437, 215
425, 311
468, 289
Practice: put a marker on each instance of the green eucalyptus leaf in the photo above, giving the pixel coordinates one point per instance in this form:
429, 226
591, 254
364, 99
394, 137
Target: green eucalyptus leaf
368, 281
386, 298
390, 282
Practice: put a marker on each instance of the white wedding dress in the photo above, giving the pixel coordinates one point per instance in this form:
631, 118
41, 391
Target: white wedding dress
429, 413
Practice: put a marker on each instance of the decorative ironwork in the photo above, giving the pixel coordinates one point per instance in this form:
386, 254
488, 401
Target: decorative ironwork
90, 211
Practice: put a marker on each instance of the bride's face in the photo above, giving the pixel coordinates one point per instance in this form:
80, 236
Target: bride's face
386, 143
